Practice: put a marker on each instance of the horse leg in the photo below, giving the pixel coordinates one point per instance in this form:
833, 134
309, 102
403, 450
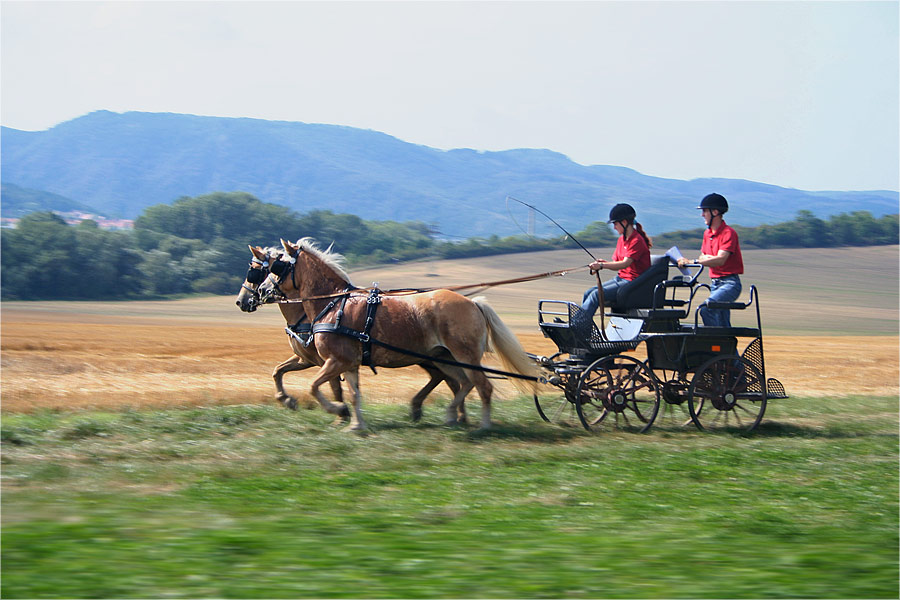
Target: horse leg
461, 416
415, 404
457, 405
294, 363
330, 372
356, 420
485, 390
339, 396
461, 386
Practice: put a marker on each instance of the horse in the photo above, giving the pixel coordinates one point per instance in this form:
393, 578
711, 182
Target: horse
305, 354
440, 326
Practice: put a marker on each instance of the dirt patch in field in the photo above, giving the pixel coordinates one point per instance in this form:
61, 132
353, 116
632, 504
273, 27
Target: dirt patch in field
55, 364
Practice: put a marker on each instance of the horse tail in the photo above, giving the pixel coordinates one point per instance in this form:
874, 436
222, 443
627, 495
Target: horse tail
506, 345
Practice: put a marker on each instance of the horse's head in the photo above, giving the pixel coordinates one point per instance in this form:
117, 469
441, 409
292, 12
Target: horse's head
284, 278
249, 298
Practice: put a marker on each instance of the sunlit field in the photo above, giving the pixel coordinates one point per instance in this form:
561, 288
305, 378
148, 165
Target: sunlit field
143, 456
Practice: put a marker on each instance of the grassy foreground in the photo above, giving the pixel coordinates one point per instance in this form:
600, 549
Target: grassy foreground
256, 501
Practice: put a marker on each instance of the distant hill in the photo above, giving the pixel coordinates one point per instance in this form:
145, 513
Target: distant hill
16, 202
122, 163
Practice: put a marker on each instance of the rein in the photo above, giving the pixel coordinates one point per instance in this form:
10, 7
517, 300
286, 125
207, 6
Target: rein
478, 287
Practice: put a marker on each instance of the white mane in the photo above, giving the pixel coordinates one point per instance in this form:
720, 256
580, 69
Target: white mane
327, 256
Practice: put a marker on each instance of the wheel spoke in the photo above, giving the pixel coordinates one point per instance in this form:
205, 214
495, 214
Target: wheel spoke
559, 409
727, 384
617, 384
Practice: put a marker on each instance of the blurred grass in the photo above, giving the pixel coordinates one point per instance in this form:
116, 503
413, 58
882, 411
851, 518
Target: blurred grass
256, 501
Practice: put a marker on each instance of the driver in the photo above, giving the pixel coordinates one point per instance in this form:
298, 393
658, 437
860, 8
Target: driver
630, 259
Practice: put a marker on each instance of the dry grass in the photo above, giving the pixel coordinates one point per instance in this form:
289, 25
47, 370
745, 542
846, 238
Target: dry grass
78, 365
202, 351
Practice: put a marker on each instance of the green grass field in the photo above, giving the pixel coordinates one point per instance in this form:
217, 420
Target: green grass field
256, 501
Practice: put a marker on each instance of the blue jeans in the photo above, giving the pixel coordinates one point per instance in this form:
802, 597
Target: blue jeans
723, 289
591, 300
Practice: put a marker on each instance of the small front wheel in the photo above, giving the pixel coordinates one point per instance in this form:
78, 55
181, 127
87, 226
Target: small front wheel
559, 410
621, 386
727, 393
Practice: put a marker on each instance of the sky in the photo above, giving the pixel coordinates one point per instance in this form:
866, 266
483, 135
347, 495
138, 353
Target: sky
796, 94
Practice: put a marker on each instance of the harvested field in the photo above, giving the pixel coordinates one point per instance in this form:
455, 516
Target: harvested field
71, 365
203, 351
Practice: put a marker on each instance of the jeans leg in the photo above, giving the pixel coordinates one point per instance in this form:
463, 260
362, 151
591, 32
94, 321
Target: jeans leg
590, 302
722, 290
611, 290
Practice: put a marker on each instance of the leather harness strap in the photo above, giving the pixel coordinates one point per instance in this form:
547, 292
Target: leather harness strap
372, 304
409, 291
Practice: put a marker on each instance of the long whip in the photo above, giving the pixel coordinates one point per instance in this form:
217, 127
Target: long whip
602, 307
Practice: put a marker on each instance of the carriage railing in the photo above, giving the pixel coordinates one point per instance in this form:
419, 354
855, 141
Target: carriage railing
560, 321
753, 301
674, 303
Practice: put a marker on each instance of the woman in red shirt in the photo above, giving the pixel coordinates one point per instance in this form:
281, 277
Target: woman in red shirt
630, 259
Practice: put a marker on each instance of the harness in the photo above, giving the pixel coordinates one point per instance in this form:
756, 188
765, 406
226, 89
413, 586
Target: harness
304, 332
373, 301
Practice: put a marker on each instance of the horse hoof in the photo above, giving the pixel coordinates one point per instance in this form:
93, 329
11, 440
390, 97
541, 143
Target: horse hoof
345, 412
357, 429
288, 402
415, 415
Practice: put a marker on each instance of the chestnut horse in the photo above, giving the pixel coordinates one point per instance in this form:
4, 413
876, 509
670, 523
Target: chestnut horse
305, 354
438, 324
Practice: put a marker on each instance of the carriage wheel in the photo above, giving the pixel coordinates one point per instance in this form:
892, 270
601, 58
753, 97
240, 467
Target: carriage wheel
620, 386
559, 409
673, 410
727, 393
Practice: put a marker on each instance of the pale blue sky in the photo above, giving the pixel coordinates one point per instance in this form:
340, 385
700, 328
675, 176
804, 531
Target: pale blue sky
797, 94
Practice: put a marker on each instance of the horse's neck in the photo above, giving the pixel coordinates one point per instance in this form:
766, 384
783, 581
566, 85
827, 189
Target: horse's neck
318, 279
291, 312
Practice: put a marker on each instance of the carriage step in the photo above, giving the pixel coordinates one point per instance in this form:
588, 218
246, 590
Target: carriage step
774, 390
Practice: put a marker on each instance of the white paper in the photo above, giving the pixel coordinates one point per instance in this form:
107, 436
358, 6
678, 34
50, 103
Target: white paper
674, 254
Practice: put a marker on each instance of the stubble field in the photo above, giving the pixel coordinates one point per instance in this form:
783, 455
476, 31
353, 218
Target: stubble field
830, 321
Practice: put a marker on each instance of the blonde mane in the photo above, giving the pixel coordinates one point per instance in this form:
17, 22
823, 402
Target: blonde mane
331, 259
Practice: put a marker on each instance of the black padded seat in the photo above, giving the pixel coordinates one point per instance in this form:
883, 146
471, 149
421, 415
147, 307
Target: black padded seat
639, 292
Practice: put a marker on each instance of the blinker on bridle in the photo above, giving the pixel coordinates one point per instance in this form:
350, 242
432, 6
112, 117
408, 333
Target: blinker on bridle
257, 275
281, 269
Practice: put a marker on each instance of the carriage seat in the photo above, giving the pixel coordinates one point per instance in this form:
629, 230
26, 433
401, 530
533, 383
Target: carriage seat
639, 292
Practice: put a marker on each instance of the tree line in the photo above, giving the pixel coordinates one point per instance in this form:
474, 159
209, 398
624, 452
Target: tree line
199, 245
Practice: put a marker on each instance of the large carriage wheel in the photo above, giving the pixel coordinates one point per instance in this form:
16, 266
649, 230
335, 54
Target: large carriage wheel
620, 386
727, 393
559, 409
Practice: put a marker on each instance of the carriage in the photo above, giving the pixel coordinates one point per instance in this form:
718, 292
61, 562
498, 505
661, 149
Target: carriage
689, 370
690, 373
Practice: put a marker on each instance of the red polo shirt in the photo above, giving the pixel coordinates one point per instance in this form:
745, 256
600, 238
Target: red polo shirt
636, 248
725, 238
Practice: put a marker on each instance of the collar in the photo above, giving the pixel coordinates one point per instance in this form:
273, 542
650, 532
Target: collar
715, 232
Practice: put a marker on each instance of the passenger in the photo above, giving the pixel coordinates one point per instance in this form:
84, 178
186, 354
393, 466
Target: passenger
630, 259
721, 252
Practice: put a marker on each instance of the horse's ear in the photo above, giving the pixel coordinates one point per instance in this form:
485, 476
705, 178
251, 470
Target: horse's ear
289, 247
257, 252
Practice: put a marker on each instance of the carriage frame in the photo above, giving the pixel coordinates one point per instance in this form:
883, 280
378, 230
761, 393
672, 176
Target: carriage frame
687, 366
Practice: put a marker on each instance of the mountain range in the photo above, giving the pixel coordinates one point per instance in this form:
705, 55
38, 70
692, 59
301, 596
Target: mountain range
121, 163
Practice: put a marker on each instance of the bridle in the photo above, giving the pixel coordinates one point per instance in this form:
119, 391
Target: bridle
261, 269
277, 273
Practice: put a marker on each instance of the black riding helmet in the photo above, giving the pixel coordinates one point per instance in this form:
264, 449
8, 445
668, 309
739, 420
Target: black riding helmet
621, 212
716, 201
